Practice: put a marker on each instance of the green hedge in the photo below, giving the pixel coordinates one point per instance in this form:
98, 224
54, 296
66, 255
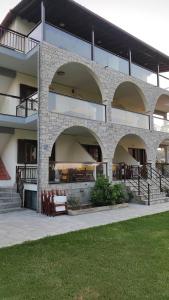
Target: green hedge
104, 193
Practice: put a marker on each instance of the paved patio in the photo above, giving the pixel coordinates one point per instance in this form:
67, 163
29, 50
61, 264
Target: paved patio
26, 225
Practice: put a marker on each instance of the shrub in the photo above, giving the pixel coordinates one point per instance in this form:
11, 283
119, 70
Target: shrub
101, 194
74, 202
121, 193
104, 193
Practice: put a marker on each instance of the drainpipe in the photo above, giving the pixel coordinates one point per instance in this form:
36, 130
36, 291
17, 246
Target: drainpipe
130, 61
158, 75
42, 21
93, 45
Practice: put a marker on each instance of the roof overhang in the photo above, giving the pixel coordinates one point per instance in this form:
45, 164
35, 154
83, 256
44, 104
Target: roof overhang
79, 21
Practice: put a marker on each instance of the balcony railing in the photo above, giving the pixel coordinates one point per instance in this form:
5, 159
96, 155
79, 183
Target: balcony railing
16, 41
26, 173
127, 118
72, 43
28, 106
76, 107
161, 124
15, 106
75, 172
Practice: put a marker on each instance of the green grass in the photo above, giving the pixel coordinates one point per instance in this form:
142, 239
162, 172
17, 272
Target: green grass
127, 260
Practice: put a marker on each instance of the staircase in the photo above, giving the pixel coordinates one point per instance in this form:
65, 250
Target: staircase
9, 200
155, 196
149, 186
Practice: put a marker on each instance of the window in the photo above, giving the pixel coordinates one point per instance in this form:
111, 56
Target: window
27, 152
26, 91
94, 151
138, 154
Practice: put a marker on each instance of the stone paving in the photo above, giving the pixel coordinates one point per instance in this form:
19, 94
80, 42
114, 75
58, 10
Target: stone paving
25, 225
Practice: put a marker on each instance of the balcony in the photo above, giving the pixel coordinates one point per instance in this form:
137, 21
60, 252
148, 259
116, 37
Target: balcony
64, 40
127, 118
18, 113
161, 124
75, 107
16, 41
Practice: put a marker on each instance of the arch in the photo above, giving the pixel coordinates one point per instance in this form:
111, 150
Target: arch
137, 153
81, 130
162, 150
76, 156
77, 80
162, 105
130, 97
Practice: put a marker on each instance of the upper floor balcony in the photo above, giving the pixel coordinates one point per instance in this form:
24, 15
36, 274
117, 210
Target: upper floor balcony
18, 113
16, 41
65, 40
91, 51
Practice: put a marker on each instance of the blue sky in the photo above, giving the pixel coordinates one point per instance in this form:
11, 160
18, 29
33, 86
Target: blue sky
146, 19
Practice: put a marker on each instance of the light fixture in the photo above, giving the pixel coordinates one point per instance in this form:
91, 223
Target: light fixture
60, 73
61, 24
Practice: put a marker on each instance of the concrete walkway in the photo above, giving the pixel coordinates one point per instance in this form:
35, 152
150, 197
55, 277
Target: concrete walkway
26, 225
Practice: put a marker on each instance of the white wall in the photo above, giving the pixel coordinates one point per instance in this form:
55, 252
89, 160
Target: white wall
9, 154
122, 155
22, 26
132, 142
68, 149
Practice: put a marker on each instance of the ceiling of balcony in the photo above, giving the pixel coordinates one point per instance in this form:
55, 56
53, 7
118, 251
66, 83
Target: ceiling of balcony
80, 21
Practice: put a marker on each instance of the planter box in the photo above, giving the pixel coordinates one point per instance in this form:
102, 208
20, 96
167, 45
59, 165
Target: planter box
95, 209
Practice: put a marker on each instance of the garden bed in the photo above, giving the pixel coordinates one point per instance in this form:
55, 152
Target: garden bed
88, 210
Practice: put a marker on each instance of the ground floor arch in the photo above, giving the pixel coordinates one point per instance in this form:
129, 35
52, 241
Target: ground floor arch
76, 156
130, 151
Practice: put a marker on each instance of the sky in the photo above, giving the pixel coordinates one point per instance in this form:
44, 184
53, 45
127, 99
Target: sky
145, 19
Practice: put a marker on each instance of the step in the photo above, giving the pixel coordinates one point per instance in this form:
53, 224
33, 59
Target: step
10, 210
10, 199
8, 189
7, 205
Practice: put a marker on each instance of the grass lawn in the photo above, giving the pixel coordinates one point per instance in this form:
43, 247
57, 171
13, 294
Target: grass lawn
127, 260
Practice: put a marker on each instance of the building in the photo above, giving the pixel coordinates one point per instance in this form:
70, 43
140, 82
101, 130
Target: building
78, 97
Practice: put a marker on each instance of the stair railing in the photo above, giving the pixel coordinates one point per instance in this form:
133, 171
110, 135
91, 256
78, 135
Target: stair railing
138, 182
161, 178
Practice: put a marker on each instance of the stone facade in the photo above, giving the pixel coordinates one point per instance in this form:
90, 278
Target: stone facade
51, 125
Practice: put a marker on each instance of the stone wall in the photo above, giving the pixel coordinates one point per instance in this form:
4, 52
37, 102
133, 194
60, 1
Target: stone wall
51, 125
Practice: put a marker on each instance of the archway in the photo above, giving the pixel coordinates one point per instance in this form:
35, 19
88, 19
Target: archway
75, 91
76, 157
162, 157
131, 152
161, 114
129, 96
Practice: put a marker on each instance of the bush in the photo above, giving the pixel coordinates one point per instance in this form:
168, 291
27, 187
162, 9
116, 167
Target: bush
101, 194
74, 202
104, 193
121, 194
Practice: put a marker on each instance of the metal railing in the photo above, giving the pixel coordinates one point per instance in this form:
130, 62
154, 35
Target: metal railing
136, 176
28, 106
163, 169
16, 41
11, 105
62, 172
27, 173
